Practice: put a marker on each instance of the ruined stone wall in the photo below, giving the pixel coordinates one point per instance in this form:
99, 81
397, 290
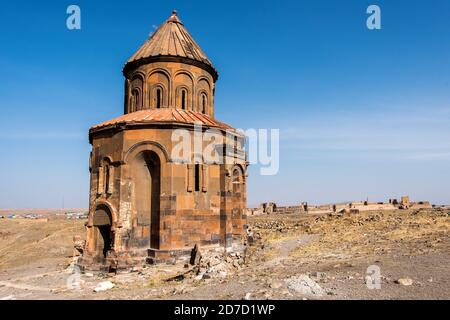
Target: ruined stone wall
421, 205
373, 207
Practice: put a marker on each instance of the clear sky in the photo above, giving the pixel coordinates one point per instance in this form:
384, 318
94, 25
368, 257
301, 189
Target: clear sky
362, 113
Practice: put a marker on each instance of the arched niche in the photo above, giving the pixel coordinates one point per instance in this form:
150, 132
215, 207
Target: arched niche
183, 82
158, 83
204, 95
237, 180
183, 98
237, 175
136, 97
145, 172
203, 102
154, 146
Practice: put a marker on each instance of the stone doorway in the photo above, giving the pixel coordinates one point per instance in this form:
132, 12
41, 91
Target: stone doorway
103, 234
146, 173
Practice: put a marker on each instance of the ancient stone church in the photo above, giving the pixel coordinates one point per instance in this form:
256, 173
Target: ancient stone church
146, 206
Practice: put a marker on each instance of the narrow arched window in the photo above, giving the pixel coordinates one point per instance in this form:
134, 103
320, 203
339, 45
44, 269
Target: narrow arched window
133, 101
197, 177
138, 100
183, 99
204, 103
106, 179
158, 98
236, 181
135, 104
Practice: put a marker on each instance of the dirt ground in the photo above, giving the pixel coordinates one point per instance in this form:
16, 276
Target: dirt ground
292, 257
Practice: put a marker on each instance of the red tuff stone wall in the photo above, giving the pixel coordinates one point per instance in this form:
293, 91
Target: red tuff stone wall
210, 213
170, 78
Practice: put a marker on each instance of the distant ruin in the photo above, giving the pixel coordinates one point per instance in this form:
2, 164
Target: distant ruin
359, 206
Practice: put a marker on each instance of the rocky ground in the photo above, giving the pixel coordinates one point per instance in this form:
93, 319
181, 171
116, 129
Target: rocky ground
288, 257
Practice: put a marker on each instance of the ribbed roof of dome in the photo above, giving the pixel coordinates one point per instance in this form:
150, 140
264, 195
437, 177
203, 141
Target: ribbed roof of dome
171, 39
163, 116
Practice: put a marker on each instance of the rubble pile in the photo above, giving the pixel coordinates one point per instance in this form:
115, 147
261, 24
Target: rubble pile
271, 225
214, 264
302, 284
281, 227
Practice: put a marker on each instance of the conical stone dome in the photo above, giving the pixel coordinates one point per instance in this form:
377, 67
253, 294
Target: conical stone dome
171, 41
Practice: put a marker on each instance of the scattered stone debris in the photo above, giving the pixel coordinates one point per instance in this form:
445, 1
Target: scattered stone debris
250, 235
405, 282
73, 267
78, 246
303, 284
104, 286
214, 263
271, 225
11, 297
211, 264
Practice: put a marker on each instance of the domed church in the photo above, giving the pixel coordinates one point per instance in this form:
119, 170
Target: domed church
147, 205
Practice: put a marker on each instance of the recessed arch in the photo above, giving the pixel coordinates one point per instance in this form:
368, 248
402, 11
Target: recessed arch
204, 83
237, 188
112, 210
102, 224
106, 176
241, 170
203, 101
102, 216
136, 92
159, 79
183, 98
103, 239
145, 173
158, 94
184, 80
186, 72
203, 87
147, 145
159, 70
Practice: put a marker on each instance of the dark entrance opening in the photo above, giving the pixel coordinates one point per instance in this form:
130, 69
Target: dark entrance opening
103, 237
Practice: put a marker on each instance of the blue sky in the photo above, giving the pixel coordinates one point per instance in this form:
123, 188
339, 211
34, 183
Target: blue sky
361, 113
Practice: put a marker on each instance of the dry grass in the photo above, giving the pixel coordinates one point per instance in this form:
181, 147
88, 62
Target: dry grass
377, 232
341, 238
24, 242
